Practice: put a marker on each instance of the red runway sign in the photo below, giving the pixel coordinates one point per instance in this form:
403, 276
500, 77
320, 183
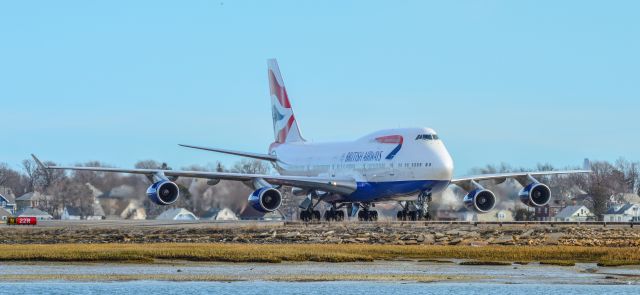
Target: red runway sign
22, 221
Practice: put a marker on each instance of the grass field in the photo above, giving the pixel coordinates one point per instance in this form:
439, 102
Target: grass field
274, 253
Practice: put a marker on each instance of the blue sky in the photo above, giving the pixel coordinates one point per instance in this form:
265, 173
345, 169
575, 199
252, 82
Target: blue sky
520, 82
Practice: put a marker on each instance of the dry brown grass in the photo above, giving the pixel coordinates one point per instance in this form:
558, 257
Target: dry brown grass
273, 253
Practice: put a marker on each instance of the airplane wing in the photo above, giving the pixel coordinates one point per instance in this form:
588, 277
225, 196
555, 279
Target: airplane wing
340, 186
585, 169
232, 152
514, 175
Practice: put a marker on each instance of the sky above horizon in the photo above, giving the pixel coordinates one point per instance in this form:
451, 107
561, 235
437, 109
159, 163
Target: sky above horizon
520, 82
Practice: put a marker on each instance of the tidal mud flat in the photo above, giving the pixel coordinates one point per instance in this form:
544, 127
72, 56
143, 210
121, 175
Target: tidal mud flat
378, 271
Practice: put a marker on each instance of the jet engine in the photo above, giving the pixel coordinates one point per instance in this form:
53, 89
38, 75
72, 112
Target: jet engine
480, 200
266, 199
163, 192
535, 194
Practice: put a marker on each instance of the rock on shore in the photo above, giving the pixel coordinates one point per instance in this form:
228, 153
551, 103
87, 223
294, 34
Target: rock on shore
336, 233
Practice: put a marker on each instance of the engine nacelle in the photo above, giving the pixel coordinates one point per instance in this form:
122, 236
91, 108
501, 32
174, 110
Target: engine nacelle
480, 200
163, 192
535, 194
266, 199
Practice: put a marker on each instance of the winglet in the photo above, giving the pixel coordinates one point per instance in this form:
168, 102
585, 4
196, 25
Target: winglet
587, 164
38, 162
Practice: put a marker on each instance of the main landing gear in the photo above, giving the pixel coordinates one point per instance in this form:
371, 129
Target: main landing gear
334, 214
309, 213
415, 210
366, 214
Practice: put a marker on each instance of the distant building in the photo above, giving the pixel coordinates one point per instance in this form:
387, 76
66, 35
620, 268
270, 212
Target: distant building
7, 199
491, 216
33, 212
4, 214
575, 213
447, 214
74, 213
121, 203
32, 200
271, 216
219, 214
177, 214
623, 213
548, 212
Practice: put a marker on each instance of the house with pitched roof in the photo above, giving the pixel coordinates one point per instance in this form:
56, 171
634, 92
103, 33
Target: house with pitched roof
7, 199
219, 214
32, 200
4, 214
33, 212
576, 213
623, 213
177, 214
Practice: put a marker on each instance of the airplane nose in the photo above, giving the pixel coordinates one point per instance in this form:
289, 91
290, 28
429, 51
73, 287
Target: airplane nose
444, 163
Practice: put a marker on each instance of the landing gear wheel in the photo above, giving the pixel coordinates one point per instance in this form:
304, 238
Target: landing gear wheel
368, 215
339, 215
305, 216
373, 215
316, 215
330, 215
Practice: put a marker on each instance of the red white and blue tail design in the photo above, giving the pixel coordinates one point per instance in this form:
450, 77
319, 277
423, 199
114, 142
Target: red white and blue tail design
285, 127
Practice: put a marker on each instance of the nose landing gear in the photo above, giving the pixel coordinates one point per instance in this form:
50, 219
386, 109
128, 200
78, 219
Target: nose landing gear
415, 210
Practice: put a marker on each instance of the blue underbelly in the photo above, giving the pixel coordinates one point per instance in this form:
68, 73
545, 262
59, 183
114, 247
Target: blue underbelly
383, 191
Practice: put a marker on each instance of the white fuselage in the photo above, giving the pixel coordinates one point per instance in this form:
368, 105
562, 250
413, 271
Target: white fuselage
387, 165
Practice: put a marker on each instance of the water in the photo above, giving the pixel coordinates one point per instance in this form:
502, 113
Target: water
261, 287
503, 280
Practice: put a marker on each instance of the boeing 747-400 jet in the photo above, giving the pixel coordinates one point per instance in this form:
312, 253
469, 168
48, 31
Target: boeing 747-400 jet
407, 165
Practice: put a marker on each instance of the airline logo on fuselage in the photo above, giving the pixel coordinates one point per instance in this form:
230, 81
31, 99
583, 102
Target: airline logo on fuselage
368, 156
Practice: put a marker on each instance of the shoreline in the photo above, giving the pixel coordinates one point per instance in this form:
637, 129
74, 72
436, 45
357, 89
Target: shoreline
310, 272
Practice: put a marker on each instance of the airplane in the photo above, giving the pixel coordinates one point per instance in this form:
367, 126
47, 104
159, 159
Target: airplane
407, 165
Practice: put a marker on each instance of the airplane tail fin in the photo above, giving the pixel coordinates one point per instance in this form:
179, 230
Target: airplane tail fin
285, 126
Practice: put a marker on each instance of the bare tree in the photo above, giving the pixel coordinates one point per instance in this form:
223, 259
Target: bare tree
68, 193
150, 164
251, 167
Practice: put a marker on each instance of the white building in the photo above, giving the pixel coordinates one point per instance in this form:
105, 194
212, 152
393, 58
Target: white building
623, 213
7, 199
74, 213
576, 213
37, 213
219, 214
4, 214
177, 214
491, 216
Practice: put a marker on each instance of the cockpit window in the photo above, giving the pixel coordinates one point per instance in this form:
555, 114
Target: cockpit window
427, 137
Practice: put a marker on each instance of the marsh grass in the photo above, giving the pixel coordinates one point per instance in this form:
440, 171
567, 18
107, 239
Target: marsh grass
618, 262
275, 253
